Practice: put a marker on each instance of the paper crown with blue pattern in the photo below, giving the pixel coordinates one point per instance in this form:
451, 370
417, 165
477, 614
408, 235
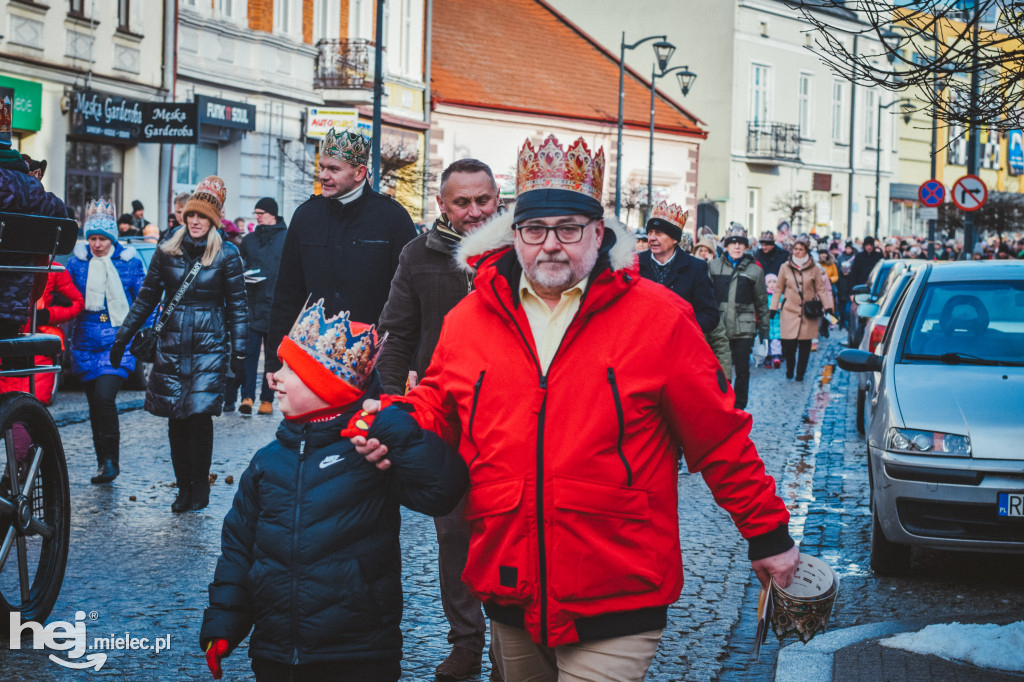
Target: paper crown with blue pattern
349, 146
99, 219
345, 348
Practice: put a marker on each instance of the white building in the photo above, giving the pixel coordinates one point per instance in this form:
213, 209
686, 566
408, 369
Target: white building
81, 72
783, 126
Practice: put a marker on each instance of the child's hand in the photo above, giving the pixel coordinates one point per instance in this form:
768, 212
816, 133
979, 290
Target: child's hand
360, 423
216, 649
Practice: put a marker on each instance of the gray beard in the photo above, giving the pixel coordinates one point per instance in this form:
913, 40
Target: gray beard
564, 278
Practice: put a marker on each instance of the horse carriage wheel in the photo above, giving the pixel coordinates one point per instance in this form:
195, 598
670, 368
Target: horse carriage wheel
35, 509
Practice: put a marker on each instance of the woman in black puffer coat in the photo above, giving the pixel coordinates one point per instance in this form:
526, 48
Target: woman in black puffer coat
205, 333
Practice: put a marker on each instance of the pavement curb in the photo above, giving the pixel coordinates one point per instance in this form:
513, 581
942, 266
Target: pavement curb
813, 661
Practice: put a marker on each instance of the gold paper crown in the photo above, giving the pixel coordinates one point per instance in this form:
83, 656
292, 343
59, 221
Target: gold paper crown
349, 146
551, 167
672, 213
347, 349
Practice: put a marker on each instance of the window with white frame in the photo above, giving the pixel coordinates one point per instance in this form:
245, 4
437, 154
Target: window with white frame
838, 110
753, 205
805, 95
759, 93
326, 20
869, 220
870, 118
407, 37
285, 19
225, 8
358, 21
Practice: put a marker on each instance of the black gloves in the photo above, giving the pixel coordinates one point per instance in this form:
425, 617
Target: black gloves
772, 314
238, 366
42, 316
116, 353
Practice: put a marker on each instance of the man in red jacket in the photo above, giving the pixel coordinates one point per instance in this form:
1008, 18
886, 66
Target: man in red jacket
569, 413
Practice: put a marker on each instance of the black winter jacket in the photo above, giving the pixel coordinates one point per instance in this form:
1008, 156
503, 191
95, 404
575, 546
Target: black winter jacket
863, 263
771, 262
204, 331
427, 284
261, 251
310, 557
687, 276
345, 254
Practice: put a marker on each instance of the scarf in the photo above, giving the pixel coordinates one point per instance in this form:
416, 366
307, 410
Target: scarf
103, 289
800, 262
351, 196
661, 270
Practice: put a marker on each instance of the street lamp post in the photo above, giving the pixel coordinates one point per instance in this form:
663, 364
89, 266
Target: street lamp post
685, 78
378, 95
908, 109
662, 52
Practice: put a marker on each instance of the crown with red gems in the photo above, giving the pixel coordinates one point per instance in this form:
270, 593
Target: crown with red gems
349, 146
551, 167
672, 213
347, 349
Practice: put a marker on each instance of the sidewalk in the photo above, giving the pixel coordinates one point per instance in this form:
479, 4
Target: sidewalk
70, 406
855, 655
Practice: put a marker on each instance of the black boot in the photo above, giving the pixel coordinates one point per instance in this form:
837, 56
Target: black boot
107, 456
181, 461
200, 479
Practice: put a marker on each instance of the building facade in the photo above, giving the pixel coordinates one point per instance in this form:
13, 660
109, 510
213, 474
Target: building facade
786, 131
81, 73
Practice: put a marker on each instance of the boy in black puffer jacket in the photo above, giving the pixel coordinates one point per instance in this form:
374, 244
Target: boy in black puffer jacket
310, 555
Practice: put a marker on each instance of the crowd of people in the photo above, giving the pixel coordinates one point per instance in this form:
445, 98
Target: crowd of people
531, 396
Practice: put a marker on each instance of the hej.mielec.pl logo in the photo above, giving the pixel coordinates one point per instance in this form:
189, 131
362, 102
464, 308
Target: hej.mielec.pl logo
60, 635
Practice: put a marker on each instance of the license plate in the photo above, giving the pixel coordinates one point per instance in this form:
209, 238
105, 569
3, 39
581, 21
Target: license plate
1011, 504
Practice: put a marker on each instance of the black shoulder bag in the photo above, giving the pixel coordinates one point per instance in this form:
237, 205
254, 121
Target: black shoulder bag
814, 309
144, 345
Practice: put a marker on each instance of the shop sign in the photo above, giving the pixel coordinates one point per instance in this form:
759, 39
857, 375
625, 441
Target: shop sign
225, 113
28, 100
319, 121
1016, 152
109, 117
170, 122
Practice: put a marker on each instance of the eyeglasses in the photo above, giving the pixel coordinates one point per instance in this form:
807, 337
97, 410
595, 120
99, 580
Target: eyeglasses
259, 213
566, 233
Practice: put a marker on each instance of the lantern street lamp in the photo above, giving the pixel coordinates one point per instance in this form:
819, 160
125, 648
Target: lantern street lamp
685, 77
662, 53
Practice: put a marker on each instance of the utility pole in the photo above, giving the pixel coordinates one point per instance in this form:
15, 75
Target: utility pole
378, 95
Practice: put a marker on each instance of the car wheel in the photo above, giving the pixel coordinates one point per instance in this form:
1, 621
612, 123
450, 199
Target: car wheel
862, 398
887, 558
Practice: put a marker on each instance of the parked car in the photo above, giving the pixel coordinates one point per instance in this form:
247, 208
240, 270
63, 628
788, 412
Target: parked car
946, 461
866, 293
899, 277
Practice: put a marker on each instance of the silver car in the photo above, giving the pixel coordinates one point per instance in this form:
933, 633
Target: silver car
946, 437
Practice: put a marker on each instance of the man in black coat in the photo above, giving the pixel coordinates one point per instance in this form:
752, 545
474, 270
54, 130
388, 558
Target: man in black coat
428, 284
864, 262
770, 256
343, 245
261, 252
668, 264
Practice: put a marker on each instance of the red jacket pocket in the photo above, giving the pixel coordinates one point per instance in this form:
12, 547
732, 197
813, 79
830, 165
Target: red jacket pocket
499, 567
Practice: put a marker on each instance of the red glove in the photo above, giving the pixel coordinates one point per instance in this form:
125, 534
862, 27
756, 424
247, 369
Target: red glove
361, 421
216, 649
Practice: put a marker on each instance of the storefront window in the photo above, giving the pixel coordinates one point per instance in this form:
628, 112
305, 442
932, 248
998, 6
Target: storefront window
94, 170
192, 163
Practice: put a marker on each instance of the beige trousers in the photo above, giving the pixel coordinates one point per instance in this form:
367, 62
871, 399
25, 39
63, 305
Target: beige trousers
620, 659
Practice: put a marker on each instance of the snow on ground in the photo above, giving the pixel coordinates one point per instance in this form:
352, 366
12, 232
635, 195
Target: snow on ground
986, 646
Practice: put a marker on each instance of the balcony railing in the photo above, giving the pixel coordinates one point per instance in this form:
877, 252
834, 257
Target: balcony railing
769, 140
344, 65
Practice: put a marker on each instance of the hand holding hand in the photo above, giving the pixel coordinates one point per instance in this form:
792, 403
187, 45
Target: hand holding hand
779, 567
216, 649
372, 449
116, 354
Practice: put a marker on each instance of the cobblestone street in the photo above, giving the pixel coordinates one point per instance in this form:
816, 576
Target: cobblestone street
136, 568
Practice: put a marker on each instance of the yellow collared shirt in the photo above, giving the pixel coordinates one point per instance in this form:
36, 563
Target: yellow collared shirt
548, 326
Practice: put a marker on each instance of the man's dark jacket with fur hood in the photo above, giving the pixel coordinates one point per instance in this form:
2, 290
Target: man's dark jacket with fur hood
345, 254
426, 286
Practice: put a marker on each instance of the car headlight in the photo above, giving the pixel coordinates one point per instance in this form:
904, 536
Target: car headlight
915, 442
